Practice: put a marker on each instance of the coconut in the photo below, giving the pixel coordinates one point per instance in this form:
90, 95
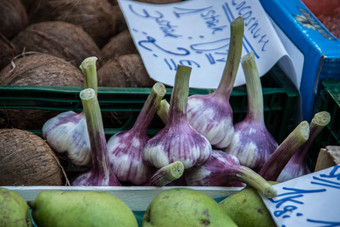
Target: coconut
7, 51
37, 70
124, 71
13, 17
26, 159
96, 17
120, 44
120, 19
58, 38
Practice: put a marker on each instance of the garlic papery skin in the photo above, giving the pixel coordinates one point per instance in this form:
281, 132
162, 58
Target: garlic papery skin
211, 115
100, 173
125, 148
297, 165
223, 169
284, 152
67, 132
252, 143
178, 140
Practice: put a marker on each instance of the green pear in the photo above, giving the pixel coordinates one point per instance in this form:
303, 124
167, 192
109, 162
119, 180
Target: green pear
184, 207
247, 209
80, 208
14, 210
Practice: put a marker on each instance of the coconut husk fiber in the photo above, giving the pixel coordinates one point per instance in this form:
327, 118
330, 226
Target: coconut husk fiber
120, 44
36, 70
96, 17
26, 159
124, 71
7, 51
13, 17
58, 38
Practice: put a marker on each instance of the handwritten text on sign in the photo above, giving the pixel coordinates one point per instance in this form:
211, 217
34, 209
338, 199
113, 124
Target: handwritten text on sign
196, 33
311, 200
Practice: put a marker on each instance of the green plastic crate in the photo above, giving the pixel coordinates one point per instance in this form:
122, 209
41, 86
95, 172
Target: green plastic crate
280, 102
328, 100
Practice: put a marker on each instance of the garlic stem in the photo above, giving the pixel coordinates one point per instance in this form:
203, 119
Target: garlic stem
283, 153
89, 69
251, 178
163, 110
149, 109
233, 60
101, 173
179, 96
254, 88
166, 174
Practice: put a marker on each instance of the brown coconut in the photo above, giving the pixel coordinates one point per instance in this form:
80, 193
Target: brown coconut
124, 71
96, 17
120, 44
58, 38
7, 51
120, 19
13, 17
26, 159
37, 70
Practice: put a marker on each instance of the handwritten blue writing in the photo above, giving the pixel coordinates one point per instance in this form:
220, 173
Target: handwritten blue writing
250, 22
165, 25
210, 46
328, 180
209, 16
290, 197
152, 41
326, 223
283, 212
172, 64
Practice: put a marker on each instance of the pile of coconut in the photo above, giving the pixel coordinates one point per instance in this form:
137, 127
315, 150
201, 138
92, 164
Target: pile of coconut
42, 43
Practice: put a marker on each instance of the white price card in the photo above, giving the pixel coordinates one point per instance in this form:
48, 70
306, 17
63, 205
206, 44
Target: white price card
196, 33
310, 200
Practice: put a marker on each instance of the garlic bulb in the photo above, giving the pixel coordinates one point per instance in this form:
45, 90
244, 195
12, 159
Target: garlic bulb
67, 132
100, 173
252, 143
211, 115
125, 148
178, 140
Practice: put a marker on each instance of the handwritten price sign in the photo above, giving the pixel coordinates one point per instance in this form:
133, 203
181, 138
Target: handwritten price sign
196, 33
310, 200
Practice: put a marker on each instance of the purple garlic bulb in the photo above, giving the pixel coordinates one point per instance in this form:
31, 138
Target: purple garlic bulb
67, 132
252, 143
223, 169
178, 140
211, 115
100, 173
126, 147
